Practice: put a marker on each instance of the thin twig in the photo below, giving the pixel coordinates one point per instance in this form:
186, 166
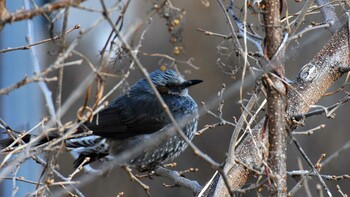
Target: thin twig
79, 168
236, 42
301, 182
307, 29
301, 150
134, 178
310, 131
336, 153
188, 62
329, 109
301, 16
43, 163
22, 179
30, 45
297, 173
25, 81
341, 192
63, 44
209, 33
14, 186
47, 8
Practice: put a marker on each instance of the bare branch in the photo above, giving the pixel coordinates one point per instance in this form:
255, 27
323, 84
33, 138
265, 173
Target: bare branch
28, 14
178, 179
276, 110
329, 14
323, 69
26, 47
25, 81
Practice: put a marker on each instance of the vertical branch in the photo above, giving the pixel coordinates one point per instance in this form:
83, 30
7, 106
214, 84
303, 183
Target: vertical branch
273, 28
36, 64
276, 100
60, 70
276, 110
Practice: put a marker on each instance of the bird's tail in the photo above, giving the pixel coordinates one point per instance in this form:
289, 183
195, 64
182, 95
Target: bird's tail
44, 139
81, 142
92, 147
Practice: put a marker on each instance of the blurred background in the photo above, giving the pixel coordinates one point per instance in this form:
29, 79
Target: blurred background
25, 107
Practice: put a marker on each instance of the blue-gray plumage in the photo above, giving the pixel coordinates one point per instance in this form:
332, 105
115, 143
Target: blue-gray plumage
136, 116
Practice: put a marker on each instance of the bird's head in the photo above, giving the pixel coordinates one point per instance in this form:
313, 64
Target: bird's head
169, 82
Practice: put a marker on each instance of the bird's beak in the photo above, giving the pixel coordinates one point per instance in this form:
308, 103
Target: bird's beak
189, 83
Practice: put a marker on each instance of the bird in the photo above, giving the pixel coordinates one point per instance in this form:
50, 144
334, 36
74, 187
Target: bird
136, 117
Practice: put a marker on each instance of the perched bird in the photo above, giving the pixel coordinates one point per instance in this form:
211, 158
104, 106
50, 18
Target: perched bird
136, 117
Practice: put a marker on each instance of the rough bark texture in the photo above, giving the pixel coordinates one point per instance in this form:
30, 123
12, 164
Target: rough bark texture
273, 28
276, 102
248, 152
320, 73
313, 81
276, 110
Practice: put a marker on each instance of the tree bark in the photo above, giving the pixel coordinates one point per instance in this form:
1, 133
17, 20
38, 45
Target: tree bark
312, 82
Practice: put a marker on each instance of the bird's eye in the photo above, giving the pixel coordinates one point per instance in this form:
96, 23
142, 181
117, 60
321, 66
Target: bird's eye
162, 89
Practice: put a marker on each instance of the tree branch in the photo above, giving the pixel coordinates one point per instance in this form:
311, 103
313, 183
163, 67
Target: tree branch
178, 179
276, 110
313, 81
28, 14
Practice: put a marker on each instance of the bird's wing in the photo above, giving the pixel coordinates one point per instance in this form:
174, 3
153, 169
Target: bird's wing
129, 116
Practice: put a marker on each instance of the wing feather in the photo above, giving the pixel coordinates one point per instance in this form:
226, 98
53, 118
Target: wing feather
129, 116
